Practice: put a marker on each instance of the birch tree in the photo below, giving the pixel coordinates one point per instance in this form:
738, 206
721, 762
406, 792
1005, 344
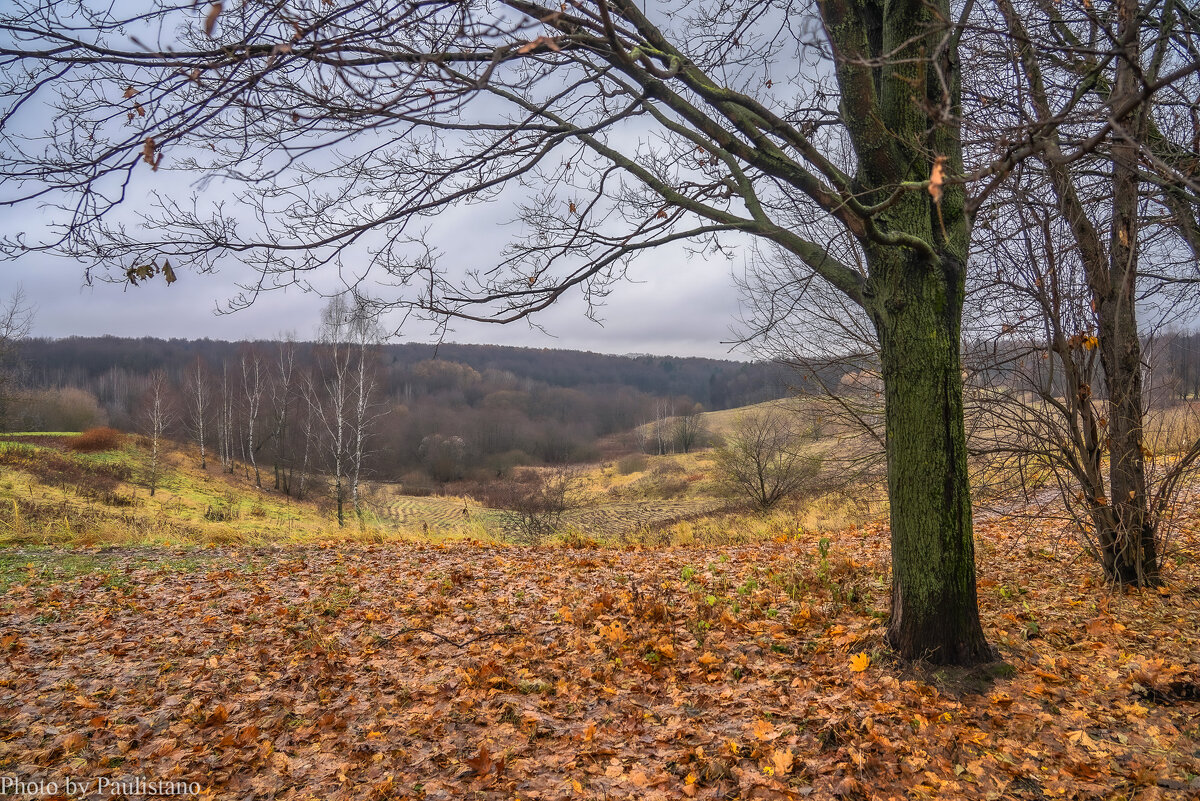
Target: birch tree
198, 391
157, 416
254, 386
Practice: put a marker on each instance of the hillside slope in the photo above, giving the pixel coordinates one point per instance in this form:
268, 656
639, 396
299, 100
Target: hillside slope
52, 495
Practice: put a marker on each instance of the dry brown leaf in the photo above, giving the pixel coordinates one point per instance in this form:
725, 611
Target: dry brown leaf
210, 21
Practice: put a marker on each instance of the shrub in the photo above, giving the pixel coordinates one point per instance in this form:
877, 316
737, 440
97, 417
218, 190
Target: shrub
764, 460
62, 409
533, 502
95, 440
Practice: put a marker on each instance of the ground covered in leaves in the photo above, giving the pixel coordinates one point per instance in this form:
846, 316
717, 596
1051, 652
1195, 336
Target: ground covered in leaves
471, 671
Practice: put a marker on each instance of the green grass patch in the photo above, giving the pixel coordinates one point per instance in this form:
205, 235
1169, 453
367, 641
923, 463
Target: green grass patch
8, 434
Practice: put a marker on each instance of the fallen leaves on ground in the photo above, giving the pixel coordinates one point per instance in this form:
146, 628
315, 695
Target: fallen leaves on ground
471, 671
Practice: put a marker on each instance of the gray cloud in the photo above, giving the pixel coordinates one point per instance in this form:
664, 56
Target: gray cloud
677, 305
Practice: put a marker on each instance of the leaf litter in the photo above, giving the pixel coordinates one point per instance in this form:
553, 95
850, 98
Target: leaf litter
482, 671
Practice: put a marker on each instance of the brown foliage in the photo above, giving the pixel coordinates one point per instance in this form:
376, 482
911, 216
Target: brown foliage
95, 440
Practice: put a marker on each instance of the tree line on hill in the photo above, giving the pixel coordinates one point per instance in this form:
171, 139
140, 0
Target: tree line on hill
347, 405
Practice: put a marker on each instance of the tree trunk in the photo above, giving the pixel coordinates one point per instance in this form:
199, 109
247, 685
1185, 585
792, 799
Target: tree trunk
935, 615
900, 95
1128, 552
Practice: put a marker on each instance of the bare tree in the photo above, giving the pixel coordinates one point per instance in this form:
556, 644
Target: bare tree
832, 133
157, 416
534, 501
664, 411
16, 321
690, 430
1104, 84
226, 431
198, 391
331, 396
283, 397
365, 335
254, 385
763, 458
310, 431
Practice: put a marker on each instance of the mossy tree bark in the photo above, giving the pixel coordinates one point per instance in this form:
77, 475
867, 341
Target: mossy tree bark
934, 605
898, 70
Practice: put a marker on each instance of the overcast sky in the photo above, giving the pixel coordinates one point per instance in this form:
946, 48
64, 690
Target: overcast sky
677, 303
681, 306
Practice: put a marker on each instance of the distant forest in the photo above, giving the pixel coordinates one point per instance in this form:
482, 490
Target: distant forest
437, 413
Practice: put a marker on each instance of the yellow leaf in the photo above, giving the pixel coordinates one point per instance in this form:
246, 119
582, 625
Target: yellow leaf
615, 633
859, 662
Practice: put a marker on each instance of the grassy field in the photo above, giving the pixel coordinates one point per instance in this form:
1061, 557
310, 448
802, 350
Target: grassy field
52, 496
721, 422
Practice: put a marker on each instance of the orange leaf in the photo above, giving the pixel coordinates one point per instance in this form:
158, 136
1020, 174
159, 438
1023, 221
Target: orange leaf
859, 662
483, 764
529, 47
763, 729
782, 762
937, 178
74, 741
217, 717
85, 703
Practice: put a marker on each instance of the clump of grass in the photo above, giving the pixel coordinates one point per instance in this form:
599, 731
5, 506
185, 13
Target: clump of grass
96, 440
634, 463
